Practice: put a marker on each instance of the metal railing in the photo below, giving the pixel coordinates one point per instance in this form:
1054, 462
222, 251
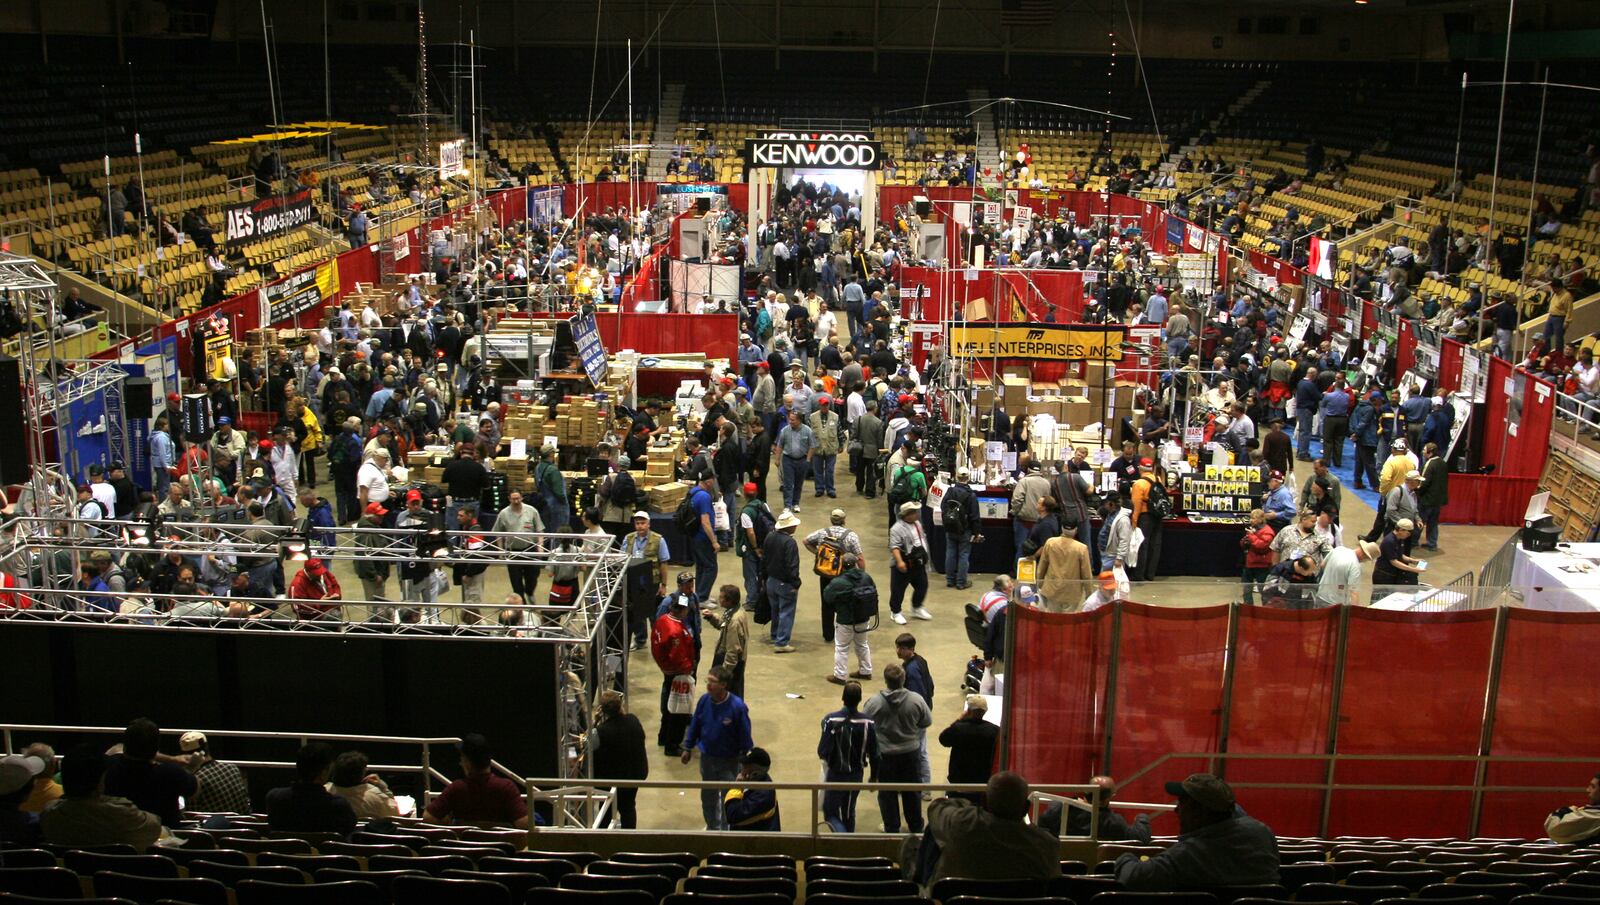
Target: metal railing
592, 807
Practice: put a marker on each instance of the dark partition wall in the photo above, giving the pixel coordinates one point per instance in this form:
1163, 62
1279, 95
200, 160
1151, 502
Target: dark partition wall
295, 682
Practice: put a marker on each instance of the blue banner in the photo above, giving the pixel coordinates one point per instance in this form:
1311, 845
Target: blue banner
1174, 234
586, 333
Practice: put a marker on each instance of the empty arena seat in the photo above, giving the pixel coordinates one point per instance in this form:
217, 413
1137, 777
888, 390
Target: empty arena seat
433, 865
862, 889
855, 872
686, 860
569, 896
1154, 898
728, 886
86, 864
656, 886
308, 863
1361, 895
636, 868
700, 898
517, 884
443, 891
150, 890
735, 859
40, 882
26, 857
231, 874
748, 872
1501, 893
554, 868
950, 887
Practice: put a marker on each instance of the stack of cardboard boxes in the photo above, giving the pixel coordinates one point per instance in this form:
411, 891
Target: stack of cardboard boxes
580, 421
517, 471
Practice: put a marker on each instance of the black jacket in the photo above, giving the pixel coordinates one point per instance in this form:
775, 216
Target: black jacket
850, 607
971, 743
619, 751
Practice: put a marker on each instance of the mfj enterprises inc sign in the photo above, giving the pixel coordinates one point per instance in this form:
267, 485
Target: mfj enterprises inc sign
828, 150
1047, 342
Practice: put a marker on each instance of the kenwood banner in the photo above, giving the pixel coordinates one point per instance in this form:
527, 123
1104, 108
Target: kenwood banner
828, 150
300, 292
267, 217
1046, 342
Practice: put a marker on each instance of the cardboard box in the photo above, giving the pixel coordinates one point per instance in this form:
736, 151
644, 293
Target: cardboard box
976, 310
666, 497
1016, 393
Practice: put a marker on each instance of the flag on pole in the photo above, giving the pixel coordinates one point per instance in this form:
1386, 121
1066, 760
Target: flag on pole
1027, 12
1320, 258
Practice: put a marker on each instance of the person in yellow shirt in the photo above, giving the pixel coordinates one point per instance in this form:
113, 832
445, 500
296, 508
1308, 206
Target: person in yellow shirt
1555, 330
45, 788
1395, 468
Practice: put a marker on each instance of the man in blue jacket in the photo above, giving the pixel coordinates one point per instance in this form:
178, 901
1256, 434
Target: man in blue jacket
1307, 397
720, 730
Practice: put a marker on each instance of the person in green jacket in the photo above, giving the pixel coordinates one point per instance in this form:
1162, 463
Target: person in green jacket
853, 595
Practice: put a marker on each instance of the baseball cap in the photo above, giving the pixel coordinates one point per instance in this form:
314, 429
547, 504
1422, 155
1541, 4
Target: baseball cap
17, 771
837, 514
314, 565
763, 366
740, 391
264, 444
1278, 475
224, 420
909, 506
84, 488
642, 514
1399, 443
1413, 475
1108, 580
100, 556
191, 741
685, 577
1405, 524
1205, 790
413, 495
757, 757
377, 510
97, 468
750, 488
824, 399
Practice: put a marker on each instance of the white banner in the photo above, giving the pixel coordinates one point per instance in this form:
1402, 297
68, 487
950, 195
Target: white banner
452, 158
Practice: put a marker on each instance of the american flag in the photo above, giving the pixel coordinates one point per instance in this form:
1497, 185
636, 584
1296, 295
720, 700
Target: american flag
1027, 12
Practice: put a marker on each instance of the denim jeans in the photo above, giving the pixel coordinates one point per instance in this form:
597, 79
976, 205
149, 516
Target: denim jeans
957, 558
1019, 534
716, 769
1302, 431
752, 569
1555, 331
904, 767
705, 565
839, 808
822, 471
794, 475
783, 599
1366, 465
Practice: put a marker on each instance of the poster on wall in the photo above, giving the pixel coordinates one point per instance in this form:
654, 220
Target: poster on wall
1222, 492
267, 217
300, 292
218, 348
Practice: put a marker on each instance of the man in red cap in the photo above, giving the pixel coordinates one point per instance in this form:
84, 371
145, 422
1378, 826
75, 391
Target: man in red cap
372, 570
315, 582
825, 428
418, 581
764, 397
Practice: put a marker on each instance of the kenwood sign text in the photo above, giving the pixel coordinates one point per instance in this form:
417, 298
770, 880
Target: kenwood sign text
831, 150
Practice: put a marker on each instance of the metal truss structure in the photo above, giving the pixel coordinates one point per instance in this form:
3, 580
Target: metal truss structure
590, 652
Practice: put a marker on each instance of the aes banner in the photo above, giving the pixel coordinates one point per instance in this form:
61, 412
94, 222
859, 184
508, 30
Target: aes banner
268, 217
830, 150
300, 292
1046, 342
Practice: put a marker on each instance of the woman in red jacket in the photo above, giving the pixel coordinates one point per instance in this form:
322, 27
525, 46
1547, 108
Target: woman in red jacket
1258, 555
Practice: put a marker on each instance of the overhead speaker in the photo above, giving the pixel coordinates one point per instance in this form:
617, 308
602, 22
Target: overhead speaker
924, 206
138, 397
702, 204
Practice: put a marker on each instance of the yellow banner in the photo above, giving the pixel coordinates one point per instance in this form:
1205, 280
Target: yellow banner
328, 279
1044, 342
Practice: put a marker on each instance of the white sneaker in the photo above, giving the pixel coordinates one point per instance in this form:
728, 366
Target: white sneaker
922, 613
897, 619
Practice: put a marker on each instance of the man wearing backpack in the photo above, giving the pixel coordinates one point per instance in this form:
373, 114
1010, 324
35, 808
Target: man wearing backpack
550, 490
848, 745
830, 545
755, 523
959, 511
1150, 506
852, 601
344, 461
906, 485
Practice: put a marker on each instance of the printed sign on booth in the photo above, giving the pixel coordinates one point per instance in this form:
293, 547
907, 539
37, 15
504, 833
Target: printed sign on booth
586, 333
267, 217
1046, 342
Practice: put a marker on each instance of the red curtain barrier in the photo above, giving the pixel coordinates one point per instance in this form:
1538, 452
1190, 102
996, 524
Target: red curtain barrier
1535, 717
1413, 684
1488, 499
1055, 712
1283, 678
1168, 693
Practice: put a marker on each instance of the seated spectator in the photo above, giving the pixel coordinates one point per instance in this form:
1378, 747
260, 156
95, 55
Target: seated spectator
153, 781
222, 786
1578, 824
18, 776
85, 816
1218, 844
753, 809
306, 806
366, 792
1113, 828
45, 789
993, 842
479, 796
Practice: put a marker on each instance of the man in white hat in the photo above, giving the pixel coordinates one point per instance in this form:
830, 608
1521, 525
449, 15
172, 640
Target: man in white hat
17, 777
781, 556
1341, 574
910, 550
1401, 502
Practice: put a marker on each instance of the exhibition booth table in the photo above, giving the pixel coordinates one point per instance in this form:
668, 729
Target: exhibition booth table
1566, 579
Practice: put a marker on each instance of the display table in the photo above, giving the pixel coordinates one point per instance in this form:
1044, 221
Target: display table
1208, 549
1424, 599
1566, 579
